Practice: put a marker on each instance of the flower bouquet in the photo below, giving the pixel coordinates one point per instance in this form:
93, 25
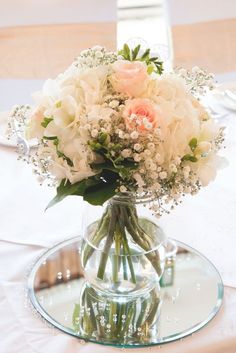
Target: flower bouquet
115, 129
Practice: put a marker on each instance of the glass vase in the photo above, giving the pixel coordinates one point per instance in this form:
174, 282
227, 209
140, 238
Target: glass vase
123, 252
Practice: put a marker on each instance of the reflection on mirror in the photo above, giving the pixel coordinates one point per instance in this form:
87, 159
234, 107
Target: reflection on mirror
189, 295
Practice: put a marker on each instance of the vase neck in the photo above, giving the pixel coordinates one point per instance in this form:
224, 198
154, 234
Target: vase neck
131, 197
123, 198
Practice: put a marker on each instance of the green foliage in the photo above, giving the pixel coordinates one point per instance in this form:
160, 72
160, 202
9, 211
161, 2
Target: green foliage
193, 144
96, 189
112, 157
190, 158
51, 138
67, 159
58, 104
46, 121
59, 153
123, 169
127, 52
154, 64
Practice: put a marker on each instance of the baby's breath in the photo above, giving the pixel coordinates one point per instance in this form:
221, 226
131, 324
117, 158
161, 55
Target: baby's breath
94, 57
197, 80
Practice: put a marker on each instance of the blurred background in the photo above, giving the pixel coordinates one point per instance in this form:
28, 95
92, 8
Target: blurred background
39, 39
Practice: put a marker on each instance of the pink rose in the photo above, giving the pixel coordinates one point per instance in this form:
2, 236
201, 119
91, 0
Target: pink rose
140, 114
130, 77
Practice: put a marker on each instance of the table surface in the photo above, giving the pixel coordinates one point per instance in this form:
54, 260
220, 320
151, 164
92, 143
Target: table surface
206, 222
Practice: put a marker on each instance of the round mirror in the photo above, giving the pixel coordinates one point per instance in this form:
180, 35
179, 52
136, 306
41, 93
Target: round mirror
189, 296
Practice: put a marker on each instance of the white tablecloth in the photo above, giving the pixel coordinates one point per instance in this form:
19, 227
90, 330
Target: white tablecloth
206, 221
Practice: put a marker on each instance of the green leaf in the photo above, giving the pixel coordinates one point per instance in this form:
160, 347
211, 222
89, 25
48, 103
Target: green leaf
99, 194
65, 189
46, 121
126, 51
159, 66
193, 144
59, 153
51, 138
95, 189
102, 137
56, 142
189, 157
150, 69
105, 188
104, 166
145, 54
96, 146
154, 58
123, 169
135, 52
58, 104
67, 159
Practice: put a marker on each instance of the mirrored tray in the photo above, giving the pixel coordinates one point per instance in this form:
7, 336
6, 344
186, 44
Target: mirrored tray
189, 296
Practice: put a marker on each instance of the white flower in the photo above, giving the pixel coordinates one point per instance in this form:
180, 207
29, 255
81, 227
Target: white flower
67, 113
126, 153
94, 133
177, 160
34, 129
137, 147
209, 130
121, 134
49, 95
151, 146
98, 54
163, 175
203, 147
97, 48
137, 157
134, 135
139, 180
114, 104
173, 168
123, 188
93, 84
154, 175
96, 113
186, 171
150, 165
206, 168
159, 158
147, 152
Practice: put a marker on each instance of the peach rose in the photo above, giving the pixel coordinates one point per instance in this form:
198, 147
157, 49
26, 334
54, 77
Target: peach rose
140, 114
130, 77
